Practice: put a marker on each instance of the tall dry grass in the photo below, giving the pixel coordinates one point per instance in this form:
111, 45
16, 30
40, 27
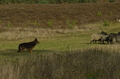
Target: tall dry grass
18, 33
91, 63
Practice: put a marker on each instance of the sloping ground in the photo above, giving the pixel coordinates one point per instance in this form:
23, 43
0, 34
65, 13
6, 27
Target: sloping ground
57, 15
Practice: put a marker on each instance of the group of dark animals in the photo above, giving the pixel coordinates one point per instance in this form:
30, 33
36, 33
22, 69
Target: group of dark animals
105, 37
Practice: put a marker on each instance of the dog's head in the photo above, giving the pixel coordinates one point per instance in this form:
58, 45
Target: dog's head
36, 41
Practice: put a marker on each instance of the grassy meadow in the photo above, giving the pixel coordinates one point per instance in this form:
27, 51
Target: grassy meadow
61, 53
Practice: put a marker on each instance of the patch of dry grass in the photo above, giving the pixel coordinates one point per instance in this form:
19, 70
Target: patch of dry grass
91, 63
18, 33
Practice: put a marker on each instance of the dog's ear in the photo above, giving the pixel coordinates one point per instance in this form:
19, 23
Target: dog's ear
35, 39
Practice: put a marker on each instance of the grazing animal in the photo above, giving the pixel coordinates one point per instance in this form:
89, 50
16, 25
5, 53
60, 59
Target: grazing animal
100, 38
118, 32
117, 37
105, 38
112, 36
104, 33
29, 46
118, 20
95, 38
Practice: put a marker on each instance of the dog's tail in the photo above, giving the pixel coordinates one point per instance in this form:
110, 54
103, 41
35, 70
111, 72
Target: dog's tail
19, 50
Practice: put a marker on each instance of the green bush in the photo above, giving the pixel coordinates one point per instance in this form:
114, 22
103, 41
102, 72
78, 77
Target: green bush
99, 14
43, 1
110, 13
71, 24
9, 25
50, 23
36, 23
106, 23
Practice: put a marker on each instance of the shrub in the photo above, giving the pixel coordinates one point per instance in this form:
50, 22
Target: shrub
36, 23
106, 23
9, 25
71, 24
99, 14
110, 13
50, 23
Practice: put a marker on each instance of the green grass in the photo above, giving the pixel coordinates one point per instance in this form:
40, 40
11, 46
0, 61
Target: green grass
61, 54
62, 43
57, 42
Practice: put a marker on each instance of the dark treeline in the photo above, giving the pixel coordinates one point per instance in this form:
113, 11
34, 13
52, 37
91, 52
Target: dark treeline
51, 1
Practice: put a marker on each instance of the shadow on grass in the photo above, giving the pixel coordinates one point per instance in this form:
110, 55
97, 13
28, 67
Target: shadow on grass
97, 43
13, 52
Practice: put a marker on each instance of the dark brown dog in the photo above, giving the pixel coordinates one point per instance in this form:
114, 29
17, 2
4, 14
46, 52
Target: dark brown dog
29, 46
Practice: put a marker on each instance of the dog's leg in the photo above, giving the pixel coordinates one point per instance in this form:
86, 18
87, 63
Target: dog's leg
22, 49
30, 50
19, 48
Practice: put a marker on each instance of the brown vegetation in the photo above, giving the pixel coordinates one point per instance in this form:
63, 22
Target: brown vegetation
57, 15
97, 63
